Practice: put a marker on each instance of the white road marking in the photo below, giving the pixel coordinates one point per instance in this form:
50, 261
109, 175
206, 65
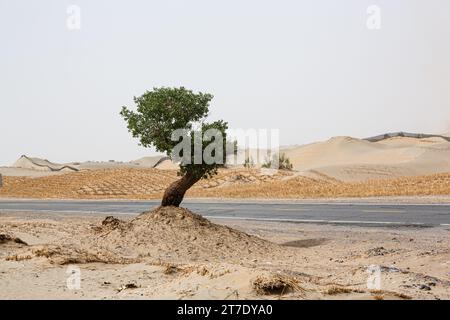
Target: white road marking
384, 211
317, 221
291, 209
63, 211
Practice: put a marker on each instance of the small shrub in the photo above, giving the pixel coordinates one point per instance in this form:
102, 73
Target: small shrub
275, 284
283, 163
249, 163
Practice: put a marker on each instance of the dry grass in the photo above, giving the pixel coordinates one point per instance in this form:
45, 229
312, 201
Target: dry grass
276, 285
303, 187
230, 183
382, 293
335, 290
62, 255
122, 183
110, 183
170, 269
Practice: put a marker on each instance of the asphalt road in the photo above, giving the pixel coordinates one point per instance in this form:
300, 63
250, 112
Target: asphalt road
389, 215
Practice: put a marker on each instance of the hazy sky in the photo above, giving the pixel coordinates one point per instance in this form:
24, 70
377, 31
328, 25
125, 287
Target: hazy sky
310, 68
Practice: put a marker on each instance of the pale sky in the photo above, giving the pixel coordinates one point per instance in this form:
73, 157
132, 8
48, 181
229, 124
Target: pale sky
309, 68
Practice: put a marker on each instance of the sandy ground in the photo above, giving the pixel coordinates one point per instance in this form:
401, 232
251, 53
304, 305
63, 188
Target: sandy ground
178, 255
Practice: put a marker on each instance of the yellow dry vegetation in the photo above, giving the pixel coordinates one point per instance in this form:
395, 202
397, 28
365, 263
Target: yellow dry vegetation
121, 183
108, 183
229, 183
304, 187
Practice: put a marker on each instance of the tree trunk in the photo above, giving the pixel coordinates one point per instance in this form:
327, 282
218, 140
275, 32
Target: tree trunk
174, 194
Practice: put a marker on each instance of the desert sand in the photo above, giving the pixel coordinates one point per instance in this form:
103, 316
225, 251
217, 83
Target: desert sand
350, 159
345, 159
175, 254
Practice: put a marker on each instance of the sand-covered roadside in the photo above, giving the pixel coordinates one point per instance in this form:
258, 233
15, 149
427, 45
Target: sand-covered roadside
179, 255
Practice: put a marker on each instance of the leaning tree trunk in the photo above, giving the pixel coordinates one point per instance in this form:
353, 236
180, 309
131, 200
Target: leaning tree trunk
174, 194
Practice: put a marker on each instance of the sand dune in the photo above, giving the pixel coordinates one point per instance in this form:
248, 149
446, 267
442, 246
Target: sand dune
38, 164
144, 162
167, 164
402, 134
36, 167
344, 158
150, 162
351, 159
406, 141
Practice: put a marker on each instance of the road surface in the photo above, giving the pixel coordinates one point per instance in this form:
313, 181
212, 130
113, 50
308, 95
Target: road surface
389, 215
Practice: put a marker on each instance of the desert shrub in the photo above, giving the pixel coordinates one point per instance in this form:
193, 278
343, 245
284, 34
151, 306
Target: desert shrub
283, 163
276, 285
249, 163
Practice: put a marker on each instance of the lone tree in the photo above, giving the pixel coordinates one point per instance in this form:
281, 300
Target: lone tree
162, 112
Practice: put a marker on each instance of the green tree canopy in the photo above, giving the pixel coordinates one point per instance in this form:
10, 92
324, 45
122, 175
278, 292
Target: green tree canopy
162, 111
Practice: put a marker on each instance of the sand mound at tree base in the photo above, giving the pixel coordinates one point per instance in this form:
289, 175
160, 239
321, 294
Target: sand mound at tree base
171, 233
